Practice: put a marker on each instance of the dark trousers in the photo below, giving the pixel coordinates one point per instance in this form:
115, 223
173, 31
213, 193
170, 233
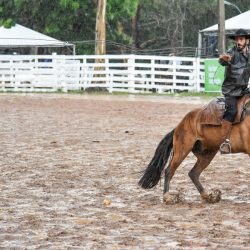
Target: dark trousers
231, 108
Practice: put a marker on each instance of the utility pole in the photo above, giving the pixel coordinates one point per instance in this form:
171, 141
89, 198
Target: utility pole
221, 27
100, 31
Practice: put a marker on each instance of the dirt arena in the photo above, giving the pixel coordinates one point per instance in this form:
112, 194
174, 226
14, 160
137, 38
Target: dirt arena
69, 171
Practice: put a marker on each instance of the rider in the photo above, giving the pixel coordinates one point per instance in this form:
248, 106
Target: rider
237, 62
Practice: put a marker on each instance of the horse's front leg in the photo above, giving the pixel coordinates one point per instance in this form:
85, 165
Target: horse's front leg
203, 161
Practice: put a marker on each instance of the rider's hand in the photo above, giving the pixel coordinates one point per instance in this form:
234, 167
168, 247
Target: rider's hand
225, 57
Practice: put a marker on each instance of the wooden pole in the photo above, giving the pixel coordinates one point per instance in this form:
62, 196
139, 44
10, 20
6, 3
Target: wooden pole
100, 32
221, 27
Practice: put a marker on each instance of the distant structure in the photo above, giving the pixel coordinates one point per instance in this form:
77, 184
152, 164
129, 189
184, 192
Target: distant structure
22, 40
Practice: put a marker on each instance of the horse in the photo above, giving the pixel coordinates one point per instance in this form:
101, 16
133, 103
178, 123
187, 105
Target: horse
203, 140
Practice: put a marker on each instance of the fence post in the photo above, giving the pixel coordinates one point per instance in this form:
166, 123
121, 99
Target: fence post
55, 64
174, 73
63, 74
152, 77
36, 72
2, 79
197, 69
108, 75
84, 73
131, 73
13, 72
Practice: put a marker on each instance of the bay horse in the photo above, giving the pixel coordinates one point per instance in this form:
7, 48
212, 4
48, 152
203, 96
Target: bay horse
204, 140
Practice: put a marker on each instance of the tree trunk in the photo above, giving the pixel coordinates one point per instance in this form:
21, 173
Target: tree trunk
135, 30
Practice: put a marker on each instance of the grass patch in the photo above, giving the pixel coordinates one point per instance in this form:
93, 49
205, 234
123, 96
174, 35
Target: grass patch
203, 95
206, 95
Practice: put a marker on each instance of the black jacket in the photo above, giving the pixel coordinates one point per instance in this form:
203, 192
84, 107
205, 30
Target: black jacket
237, 73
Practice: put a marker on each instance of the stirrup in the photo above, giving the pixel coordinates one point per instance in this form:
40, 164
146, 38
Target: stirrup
225, 147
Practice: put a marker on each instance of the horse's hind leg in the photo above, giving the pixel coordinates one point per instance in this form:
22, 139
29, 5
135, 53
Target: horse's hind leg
180, 151
203, 160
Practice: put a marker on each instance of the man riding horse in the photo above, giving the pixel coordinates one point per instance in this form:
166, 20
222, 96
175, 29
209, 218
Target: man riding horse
200, 132
237, 62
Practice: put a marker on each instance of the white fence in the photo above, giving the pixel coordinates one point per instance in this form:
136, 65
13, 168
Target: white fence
123, 73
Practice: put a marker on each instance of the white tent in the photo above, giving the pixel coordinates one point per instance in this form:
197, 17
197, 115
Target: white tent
240, 21
20, 36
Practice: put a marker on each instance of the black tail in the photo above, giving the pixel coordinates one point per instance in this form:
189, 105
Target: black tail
152, 174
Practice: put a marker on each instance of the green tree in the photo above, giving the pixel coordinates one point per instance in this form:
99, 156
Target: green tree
119, 20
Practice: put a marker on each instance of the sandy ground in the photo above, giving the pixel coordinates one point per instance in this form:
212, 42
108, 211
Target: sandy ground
69, 171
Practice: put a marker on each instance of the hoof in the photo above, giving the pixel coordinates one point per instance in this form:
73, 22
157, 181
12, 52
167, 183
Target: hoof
172, 198
213, 197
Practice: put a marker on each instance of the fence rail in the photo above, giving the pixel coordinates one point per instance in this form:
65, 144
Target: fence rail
123, 73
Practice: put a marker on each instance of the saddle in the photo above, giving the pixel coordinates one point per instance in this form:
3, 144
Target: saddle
212, 113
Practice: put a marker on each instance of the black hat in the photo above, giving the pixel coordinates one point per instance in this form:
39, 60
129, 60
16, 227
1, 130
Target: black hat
239, 32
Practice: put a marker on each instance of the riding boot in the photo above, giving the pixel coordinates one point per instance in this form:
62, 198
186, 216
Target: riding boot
225, 147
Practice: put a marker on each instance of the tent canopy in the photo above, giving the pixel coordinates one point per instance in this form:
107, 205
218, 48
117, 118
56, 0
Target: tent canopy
240, 21
20, 36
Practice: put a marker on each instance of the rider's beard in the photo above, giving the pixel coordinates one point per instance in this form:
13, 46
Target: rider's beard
241, 47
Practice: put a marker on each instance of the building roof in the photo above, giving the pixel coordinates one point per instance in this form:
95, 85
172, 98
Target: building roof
240, 21
20, 36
